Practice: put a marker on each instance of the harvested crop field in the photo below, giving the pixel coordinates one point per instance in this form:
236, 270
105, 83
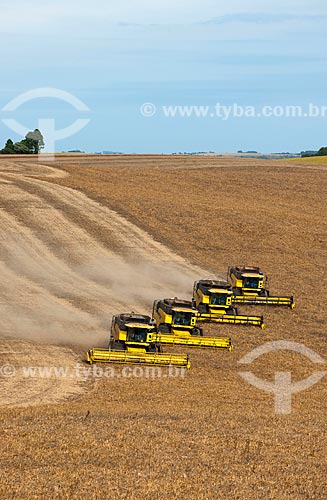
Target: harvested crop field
85, 237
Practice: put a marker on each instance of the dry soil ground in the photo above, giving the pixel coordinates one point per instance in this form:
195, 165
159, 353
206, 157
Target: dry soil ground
84, 237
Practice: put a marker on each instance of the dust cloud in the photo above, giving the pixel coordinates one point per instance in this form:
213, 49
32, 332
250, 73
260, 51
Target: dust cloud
59, 283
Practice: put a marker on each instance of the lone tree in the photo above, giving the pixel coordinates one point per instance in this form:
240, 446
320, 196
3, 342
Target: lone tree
32, 144
37, 137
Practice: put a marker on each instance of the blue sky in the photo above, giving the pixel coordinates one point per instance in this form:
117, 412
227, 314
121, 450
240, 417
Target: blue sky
116, 56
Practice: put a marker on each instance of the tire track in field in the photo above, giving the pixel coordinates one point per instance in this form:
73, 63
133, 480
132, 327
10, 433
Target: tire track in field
67, 264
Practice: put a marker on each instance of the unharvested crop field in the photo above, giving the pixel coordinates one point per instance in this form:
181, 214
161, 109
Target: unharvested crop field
85, 237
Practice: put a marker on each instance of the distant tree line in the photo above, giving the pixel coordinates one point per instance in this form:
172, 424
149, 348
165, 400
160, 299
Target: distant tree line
31, 145
321, 152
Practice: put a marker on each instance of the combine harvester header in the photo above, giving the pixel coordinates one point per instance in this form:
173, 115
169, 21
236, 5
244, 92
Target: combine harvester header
190, 341
140, 358
250, 287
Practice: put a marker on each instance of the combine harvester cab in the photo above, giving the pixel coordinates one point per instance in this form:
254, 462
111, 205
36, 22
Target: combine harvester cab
213, 300
176, 319
250, 287
133, 340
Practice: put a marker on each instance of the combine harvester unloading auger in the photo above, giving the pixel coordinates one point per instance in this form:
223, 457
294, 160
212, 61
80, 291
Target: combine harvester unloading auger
134, 340
176, 319
250, 287
213, 300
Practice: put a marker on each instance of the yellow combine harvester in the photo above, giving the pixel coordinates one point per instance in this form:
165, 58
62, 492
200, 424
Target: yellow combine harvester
176, 324
134, 340
213, 301
250, 286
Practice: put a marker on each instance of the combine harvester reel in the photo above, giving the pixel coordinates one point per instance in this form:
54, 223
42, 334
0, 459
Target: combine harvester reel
134, 340
250, 287
213, 300
175, 320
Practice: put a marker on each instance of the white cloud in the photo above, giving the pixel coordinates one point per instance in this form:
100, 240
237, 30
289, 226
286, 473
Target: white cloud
44, 15
264, 18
